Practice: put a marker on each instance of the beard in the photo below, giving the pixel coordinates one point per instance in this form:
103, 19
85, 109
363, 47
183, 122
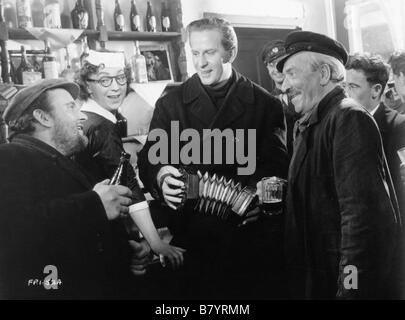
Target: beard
69, 140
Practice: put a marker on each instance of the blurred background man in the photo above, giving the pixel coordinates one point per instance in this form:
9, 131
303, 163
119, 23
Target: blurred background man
272, 53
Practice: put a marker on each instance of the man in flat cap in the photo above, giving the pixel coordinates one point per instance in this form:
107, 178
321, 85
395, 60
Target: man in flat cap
55, 241
342, 221
271, 54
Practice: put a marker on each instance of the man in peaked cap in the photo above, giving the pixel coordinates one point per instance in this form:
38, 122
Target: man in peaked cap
54, 236
271, 55
342, 222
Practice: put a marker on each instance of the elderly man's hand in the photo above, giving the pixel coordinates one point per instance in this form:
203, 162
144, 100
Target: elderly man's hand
141, 257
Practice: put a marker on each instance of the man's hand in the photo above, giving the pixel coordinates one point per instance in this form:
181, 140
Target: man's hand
171, 187
115, 199
141, 257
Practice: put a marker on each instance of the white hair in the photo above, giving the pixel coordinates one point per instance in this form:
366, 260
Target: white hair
337, 69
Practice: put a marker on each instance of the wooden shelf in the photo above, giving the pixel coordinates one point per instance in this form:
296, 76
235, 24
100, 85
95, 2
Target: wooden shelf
21, 34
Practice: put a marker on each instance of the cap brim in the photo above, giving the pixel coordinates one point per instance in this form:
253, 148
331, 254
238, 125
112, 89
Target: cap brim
282, 61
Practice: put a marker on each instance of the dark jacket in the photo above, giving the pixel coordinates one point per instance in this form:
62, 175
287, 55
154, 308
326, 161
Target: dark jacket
222, 257
392, 129
341, 210
51, 216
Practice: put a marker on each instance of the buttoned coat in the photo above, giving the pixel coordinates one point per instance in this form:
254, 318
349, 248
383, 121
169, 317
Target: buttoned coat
246, 106
49, 216
342, 217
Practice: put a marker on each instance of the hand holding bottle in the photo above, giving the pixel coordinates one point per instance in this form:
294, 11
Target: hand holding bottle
115, 199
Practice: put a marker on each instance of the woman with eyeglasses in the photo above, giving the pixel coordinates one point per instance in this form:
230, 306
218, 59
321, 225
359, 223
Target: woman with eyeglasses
104, 80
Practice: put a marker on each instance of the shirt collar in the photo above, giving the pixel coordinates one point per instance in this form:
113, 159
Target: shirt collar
92, 106
374, 110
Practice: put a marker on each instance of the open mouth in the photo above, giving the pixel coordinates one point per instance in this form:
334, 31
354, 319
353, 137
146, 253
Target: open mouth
114, 96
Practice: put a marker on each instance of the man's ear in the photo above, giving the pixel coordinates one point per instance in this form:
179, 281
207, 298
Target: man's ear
376, 91
230, 55
43, 118
326, 74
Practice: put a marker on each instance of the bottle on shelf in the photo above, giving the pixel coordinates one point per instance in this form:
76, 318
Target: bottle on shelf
119, 20
80, 16
68, 73
37, 13
150, 19
100, 14
165, 18
50, 64
139, 65
10, 14
25, 72
52, 14
135, 18
24, 14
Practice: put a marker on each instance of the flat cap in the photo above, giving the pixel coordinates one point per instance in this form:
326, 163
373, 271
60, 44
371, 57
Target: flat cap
298, 41
25, 97
272, 51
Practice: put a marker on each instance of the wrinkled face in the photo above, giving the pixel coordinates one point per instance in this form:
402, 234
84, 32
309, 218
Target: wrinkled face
67, 120
209, 56
400, 84
109, 97
358, 88
277, 77
302, 83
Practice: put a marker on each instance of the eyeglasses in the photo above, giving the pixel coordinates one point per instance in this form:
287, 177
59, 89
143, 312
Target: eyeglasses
107, 81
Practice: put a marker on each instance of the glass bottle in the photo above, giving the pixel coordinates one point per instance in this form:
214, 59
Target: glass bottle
165, 18
80, 16
52, 14
25, 72
24, 14
38, 13
135, 18
150, 19
139, 65
99, 14
119, 20
50, 65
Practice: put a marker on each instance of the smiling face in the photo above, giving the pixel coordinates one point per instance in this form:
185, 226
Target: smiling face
67, 122
211, 61
110, 97
302, 83
277, 77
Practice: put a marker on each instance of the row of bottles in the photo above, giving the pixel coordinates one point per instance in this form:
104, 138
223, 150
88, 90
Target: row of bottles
28, 72
47, 13
135, 19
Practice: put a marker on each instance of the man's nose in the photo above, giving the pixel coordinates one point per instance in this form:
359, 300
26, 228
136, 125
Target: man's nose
202, 61
286, 85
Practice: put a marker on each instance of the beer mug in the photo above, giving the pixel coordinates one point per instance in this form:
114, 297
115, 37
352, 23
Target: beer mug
273, 189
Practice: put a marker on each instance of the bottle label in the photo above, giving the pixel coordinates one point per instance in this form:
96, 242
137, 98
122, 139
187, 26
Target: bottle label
120, 21
29, 77
166, 23
136, 20
52, 16
24, 15
83, 19
51, 70
152, 23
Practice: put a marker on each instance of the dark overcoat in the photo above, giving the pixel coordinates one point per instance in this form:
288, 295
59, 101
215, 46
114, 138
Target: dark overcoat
233, 254
49, 215
341, 210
